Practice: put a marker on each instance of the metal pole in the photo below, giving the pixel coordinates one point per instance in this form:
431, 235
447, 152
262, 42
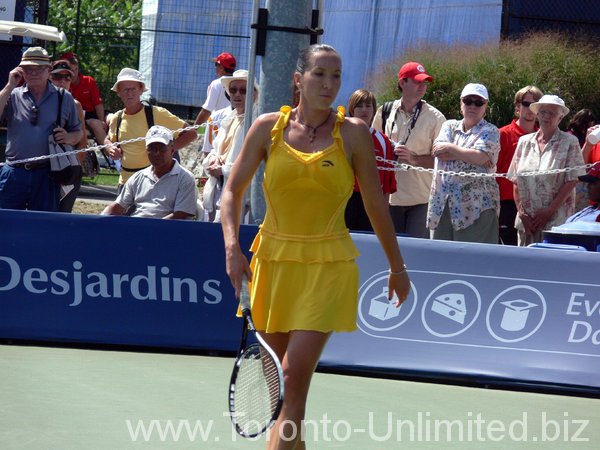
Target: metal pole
276, 73
249, 108
77, 27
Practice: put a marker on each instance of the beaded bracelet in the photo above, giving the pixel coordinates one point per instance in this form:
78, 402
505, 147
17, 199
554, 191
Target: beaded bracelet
398, 273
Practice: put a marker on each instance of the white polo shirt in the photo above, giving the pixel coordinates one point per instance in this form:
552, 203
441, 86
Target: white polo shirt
159, 197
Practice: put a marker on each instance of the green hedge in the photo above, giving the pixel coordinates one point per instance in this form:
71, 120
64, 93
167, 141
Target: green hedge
557, 63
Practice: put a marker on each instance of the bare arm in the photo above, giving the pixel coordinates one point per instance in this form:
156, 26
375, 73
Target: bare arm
358, 142
14, 78
254, 150
99, 109
185, 138
202, 117
114, 209
449, 151
180, 215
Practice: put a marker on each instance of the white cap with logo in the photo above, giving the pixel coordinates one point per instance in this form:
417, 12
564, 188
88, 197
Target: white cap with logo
160, 134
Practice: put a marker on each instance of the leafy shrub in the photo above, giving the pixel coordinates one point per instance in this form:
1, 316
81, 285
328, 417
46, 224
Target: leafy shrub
560, 64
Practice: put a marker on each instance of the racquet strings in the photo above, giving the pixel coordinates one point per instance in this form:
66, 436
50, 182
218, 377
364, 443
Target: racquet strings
257, 388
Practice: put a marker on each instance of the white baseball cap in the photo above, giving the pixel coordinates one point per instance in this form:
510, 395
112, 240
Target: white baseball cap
160, 134
475, 89
128, 74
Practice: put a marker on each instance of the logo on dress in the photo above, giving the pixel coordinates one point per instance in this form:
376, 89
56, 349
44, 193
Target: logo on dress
327, 163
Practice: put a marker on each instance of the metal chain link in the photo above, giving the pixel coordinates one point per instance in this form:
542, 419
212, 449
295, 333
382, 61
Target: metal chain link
398, 166
93, 148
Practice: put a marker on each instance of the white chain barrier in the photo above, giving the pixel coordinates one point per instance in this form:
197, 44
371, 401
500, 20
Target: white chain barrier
396, 166
93, 148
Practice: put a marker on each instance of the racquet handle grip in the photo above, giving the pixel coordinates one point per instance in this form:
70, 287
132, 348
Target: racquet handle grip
245, 295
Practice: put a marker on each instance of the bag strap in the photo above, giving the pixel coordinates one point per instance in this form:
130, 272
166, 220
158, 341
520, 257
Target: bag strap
385, 113
119, 119
61, 93
148, 111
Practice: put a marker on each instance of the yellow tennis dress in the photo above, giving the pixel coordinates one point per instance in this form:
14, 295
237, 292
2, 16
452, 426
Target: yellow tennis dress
304, 275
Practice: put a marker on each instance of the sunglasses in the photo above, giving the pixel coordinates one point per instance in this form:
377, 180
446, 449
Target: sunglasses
526, 104
468, 102
35, 114
157, 149
233, 91
61, 76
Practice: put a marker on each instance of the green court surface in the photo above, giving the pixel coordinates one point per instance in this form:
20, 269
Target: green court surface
57, 398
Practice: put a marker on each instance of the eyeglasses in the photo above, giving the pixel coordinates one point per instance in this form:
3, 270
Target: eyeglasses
526, 104
34, 70
61, 76
129, 90
233, 91
469, 101
35, 114
544, 112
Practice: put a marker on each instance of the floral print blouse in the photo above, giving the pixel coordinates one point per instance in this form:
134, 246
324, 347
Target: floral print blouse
538, 191
467, 197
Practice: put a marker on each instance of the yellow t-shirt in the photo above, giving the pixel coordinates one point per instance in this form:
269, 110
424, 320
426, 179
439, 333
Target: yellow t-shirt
136, 125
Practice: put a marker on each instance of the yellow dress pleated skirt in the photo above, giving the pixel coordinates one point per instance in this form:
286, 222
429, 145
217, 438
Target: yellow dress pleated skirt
304, 274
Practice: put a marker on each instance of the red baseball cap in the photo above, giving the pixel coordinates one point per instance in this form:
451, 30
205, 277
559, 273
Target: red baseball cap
70, 56
593, 174
414, 70
226, 60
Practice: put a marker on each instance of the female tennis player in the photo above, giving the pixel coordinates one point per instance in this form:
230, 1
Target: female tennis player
304, 279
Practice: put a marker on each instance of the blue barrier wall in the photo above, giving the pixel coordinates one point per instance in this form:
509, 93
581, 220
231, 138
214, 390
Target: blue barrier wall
475, 311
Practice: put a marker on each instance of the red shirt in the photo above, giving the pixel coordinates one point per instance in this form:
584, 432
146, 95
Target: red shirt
595, 154
86, 91
509, 138
387, 177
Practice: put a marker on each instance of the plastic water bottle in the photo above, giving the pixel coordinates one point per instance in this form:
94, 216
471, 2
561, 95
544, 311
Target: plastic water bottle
594, 137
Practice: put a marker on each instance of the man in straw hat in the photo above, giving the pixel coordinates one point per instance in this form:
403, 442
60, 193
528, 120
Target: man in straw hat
227, 144
134, 121
29, 104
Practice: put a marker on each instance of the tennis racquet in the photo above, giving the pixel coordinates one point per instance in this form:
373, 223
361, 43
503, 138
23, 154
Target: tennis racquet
256, 386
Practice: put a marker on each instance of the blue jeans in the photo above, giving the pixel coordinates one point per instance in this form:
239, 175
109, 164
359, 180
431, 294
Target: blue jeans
28, 189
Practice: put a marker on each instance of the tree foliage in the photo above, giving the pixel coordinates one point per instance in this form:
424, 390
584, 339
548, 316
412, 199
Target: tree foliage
105, 36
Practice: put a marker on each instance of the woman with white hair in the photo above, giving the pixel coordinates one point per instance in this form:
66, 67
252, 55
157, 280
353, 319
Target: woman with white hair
549, 199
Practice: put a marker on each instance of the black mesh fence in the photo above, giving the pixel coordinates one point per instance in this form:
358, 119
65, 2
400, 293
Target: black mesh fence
578, 17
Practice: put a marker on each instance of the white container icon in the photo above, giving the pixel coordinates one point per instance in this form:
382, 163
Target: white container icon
515, 314
383, 309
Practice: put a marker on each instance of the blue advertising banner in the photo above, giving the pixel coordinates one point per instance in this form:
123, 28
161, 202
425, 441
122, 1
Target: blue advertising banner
501, 312
116, 280
476, 312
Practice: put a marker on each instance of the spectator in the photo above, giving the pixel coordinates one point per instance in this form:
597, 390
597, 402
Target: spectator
216, 97
362, 105
591, 152
412, 124
466, 208
85, 90
31, 111
165, 190
579, 124
61, 76
134, 121
227, 145
544, 200
592, 212
524, 123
